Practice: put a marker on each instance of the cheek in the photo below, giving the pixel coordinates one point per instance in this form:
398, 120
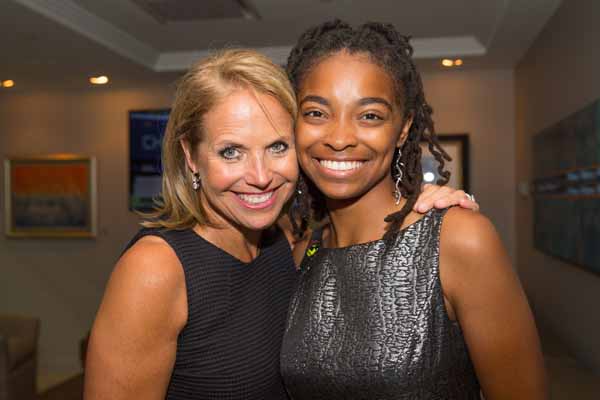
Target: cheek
220, 176
306, 137
287, 166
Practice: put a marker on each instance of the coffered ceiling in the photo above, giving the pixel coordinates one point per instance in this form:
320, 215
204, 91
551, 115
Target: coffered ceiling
59, 43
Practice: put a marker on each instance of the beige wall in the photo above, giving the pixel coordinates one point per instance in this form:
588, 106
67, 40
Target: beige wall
62, 280
481, 103
558, 76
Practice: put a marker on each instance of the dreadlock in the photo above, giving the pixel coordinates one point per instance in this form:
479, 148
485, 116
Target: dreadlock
391, 51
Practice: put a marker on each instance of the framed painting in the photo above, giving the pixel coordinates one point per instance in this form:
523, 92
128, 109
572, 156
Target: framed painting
457, 147
51, 196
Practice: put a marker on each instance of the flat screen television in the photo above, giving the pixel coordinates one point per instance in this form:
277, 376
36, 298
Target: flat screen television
146, 131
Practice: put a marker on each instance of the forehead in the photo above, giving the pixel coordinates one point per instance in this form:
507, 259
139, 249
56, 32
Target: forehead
244, 113
351, 71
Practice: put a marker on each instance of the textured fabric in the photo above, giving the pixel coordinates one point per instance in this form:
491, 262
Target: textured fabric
368, 321
229, 348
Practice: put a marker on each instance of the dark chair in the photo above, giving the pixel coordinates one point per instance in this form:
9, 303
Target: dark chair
18, 357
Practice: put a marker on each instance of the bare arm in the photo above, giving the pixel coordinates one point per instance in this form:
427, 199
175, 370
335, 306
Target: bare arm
485, 296
133, 342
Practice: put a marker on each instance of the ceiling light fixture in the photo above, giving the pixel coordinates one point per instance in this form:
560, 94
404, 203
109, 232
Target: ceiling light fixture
446, 62
458, 62
99, 80
8, 83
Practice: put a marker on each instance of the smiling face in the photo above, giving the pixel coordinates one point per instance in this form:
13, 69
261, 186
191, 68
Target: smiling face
349, 126
246, 160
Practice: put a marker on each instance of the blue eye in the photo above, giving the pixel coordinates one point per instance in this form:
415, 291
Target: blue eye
229, 153
279, 147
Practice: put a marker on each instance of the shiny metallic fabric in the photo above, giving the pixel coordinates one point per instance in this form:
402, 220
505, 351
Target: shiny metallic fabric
368, 322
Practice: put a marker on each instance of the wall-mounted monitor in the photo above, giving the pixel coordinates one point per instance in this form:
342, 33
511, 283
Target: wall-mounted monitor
146, 131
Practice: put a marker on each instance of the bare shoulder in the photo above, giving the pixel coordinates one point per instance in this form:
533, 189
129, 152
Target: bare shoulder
151, 264
466, 232
471, 254
148, 276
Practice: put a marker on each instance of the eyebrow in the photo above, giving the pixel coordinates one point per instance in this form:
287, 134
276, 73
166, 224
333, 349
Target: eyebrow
362, 102
317, 99
377, 100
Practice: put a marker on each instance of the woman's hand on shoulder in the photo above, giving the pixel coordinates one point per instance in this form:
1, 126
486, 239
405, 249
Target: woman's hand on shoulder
133, 342
443, 197
489, 303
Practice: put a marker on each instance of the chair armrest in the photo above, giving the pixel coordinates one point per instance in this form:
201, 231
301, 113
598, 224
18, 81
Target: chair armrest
15, 325
3, 368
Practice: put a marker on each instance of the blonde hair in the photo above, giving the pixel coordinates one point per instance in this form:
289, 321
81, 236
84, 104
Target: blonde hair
206, 84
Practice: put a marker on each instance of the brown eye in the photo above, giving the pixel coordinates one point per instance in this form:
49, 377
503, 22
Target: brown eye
371, 117
313, 114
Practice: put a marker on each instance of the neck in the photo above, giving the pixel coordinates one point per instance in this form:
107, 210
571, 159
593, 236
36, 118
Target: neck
240, 242
361, 219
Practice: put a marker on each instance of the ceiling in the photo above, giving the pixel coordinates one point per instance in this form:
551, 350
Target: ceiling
60, 43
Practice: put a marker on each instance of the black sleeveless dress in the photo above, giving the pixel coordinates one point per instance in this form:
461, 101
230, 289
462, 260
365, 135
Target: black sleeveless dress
369, 322
229, 348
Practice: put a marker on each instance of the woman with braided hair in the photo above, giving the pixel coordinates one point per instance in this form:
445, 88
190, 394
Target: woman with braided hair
391, 304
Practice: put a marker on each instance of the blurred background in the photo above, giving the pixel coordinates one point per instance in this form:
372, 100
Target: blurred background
96, 78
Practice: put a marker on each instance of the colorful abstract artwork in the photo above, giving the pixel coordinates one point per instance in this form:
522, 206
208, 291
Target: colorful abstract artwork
566, 188
50, 196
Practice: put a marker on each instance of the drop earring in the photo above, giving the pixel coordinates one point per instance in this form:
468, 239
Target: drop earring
398, 166
196, 181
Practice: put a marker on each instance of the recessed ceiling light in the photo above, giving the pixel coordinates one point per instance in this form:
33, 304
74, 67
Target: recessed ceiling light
8, 83
99, 80
446, 62
458, 62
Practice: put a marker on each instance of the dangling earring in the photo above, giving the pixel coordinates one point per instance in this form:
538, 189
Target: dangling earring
196, 180
398, 165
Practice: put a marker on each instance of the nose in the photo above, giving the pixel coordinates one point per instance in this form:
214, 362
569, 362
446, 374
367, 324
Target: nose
259, 174
341, 135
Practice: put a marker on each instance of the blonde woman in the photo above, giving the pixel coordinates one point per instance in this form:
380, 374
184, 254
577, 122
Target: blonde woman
196, 306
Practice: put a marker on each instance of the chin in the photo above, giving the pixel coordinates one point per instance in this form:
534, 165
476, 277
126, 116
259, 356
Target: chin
259, 225
340, 191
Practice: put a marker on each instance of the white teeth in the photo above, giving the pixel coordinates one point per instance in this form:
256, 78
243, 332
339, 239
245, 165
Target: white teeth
341, 165
256, 198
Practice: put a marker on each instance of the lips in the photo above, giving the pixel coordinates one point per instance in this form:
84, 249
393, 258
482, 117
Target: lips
344, 165
257, 200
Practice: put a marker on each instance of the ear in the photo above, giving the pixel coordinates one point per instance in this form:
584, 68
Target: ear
189, 160
405, 129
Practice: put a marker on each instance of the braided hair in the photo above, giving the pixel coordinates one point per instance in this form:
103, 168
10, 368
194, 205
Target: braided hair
390, 50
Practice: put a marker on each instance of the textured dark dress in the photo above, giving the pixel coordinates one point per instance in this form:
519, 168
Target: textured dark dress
229, 348
368, 321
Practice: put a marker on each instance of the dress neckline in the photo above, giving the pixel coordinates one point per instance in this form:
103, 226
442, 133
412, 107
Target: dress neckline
402, 231
264, 241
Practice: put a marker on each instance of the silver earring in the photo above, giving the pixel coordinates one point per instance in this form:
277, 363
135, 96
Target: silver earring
398, 166
195, 181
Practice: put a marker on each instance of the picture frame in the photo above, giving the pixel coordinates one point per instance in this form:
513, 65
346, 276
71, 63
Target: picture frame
457, 147
50, 196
